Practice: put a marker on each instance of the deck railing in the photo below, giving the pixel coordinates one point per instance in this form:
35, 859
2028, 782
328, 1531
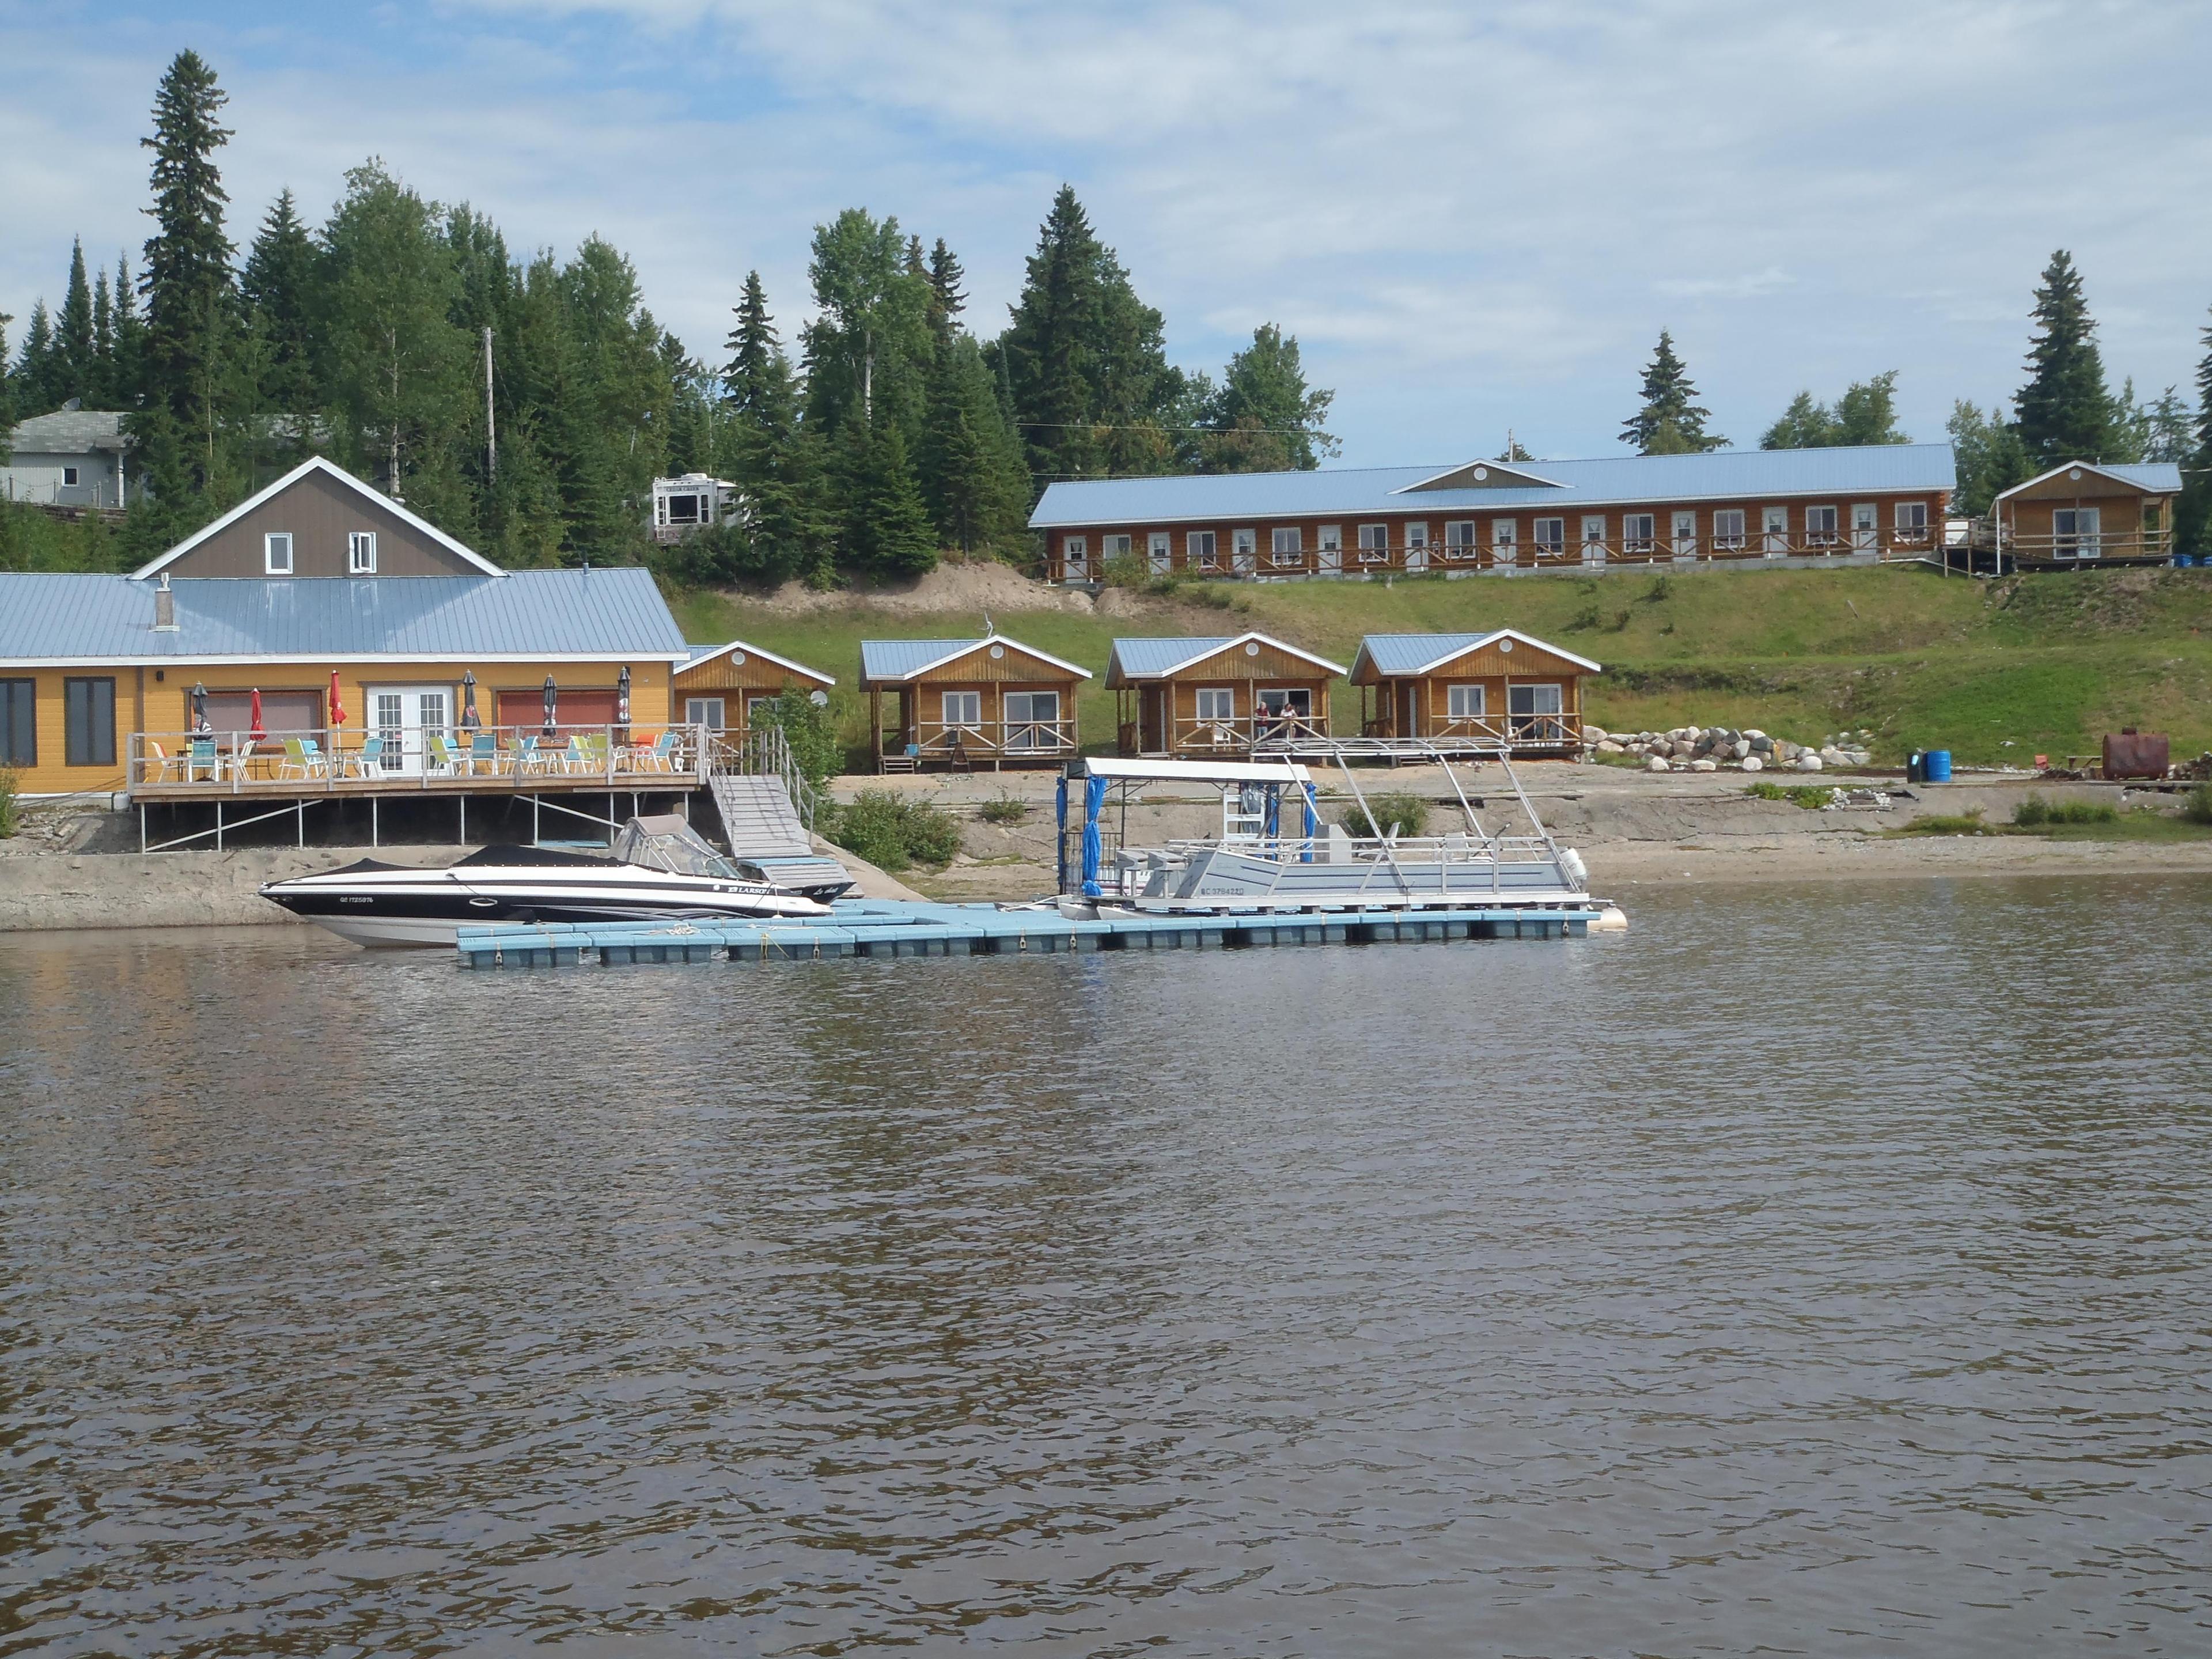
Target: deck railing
347, 760
961, 740
1239, 735
1547, 731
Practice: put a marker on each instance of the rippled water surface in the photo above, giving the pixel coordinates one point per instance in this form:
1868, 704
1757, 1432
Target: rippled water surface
1815, 1271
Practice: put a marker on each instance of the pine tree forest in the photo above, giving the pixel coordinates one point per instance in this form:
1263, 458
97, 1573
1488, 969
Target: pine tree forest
866, 439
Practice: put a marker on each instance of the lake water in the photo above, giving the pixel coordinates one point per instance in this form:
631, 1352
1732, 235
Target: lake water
1810, 1270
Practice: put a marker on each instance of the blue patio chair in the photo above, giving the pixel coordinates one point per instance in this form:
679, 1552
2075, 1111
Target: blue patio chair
370, 760
483, 751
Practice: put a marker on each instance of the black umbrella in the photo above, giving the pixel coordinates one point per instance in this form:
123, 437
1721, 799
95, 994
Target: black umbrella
552, 694
199, 708
622, 705
470, 719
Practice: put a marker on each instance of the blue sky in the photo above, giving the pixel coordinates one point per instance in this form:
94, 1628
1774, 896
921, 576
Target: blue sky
1474, 215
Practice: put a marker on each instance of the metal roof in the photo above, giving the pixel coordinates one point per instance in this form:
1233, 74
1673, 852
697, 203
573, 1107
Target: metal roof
1397, 654
1114, 770
744, 648
1148, 660
2157, 477
69, 432
1727, 474
903, 660
605, 613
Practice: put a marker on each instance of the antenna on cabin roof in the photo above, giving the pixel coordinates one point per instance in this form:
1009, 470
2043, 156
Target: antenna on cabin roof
990, 627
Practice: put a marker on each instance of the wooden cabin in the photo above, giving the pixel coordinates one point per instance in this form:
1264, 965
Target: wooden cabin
2080, 512
1216, 698
721, 685
1878, 501
963, 703
1466, 693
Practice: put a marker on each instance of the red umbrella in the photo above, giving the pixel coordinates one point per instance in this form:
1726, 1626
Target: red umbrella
257, 733
337, 703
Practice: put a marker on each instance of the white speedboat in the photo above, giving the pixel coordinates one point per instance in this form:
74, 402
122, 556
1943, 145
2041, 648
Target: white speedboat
660, 870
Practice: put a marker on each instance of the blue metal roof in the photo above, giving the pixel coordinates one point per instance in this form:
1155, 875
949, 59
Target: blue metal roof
525, 613
2159, 477
1145, 658
1394, 654
1726, 474
894, 659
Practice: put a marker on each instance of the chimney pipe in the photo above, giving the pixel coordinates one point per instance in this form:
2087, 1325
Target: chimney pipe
165, 607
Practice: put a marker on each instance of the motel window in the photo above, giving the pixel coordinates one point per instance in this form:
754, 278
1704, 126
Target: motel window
1374, 543
1820, 527
709, 712
69, 475
19, 727
1288, 548
276, 553
1198, 549
965, 708
1727, 527
1637, 531
360, 553
1551, 536
1217, 703
1114, 547
1464, 702
1912, 519
88, 721
1459, 539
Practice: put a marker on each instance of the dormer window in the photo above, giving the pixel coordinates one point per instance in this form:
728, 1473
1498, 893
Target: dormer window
276, 553
360, 553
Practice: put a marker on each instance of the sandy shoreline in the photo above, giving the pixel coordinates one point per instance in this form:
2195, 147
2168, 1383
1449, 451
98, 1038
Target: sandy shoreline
1633, 832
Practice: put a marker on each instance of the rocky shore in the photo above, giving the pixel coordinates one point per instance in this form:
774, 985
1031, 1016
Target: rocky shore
1717, 748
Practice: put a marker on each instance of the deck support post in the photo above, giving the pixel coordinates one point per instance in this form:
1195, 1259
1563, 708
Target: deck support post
375, 824
300, 820
534, 831
464, 802
142, 826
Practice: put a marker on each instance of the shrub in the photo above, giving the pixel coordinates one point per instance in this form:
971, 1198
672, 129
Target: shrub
1948, 823
893, 833
1004, 810
2035, 811
1811, 797
807, 727
2196, 805
1662, 588
1586, 619
1409, 812
10, 819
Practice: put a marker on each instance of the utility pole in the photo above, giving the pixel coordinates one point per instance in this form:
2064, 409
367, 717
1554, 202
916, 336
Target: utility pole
491, 432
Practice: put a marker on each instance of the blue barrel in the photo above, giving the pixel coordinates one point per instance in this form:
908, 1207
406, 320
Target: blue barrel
1936, 765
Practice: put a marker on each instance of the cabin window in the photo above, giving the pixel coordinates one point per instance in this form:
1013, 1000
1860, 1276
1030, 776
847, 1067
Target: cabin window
276, 553
1076, 550
753, 708
1820, 527
1198, 549
1288, 547
69, 475
1374, 543
1032, 719
1465, 703
1728, 528
1217, 703
360, 553
19, 728
1913, 520
1637, 532
1114, 547
965, 708
2073, 531
1158, 552
1459, 539
1535, 713
88, 721
709, 712
1551, 536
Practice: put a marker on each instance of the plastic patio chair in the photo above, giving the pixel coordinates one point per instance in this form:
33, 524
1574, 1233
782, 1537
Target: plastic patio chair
369, 761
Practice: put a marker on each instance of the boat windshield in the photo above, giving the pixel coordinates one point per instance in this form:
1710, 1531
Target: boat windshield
667, 843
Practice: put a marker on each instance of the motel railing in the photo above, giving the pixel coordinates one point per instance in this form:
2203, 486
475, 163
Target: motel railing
347, 761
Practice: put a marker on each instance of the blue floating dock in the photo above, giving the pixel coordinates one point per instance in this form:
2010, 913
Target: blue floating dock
891, 927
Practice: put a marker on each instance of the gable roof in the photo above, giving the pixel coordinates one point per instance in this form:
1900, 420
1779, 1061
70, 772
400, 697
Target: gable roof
69, 432
1482, 475
2153, 478
907, 660
1401, 656
528, 615
316, 464
1255, 498
1154, 660
704, 654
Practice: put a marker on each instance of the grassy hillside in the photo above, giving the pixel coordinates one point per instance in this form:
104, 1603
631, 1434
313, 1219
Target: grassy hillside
2046, 664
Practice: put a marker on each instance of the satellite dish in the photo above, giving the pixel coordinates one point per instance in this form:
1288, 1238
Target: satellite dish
819, 697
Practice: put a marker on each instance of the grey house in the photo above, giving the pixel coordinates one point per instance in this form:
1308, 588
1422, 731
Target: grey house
71, 457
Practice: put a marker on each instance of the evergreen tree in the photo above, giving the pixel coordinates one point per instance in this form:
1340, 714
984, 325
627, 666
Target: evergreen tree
1268, 419
2064, 413
75, 342
1865, 413
127, 354
2167, 428
776, 466
972, 472
103, 340
1988, 455
38, 374
2193, 514
189, 297
887, 527
1513, 452
947, 300
1670, 422
1804, 425
6, 390
279, 286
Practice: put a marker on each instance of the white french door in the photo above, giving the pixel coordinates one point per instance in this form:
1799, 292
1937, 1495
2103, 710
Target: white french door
405, 718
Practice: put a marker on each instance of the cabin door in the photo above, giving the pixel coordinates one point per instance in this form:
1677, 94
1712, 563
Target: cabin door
403, 719
1686, 536
1409, 711
1863, 527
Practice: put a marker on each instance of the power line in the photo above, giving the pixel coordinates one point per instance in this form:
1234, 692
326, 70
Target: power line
1149, 426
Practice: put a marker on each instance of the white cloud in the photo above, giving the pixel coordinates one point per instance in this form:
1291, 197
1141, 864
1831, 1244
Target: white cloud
1472, 216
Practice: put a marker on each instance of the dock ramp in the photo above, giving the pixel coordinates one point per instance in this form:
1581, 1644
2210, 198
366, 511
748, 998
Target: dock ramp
762, 828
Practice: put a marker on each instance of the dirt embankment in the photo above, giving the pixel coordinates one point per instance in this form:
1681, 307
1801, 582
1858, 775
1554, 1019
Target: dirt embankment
964, 587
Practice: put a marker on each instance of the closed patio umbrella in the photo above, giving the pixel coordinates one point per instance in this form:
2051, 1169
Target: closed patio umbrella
552, 708
199, 708
470, 719
253, 716
337, 703
622, 705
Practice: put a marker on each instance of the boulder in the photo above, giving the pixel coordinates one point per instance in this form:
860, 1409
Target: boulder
1807, 763
1740, 748
1607, 746
1655, 764
1752, 763
1761, 742
1753, 733
1695, 766
1684, 748
1595, 733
